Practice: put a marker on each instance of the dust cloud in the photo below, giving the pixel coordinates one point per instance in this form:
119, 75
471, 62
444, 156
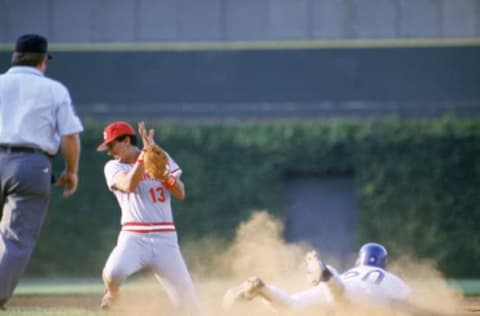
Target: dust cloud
260, 250
430, 290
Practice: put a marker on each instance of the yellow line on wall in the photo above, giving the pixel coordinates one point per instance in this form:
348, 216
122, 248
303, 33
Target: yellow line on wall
189, 46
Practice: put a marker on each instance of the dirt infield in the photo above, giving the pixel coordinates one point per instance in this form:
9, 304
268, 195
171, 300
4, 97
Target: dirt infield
277, 262
150, 306
47, 301
472, 305
130, 305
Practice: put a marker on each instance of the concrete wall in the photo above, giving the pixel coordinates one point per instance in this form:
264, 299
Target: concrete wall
271, 83
237, 20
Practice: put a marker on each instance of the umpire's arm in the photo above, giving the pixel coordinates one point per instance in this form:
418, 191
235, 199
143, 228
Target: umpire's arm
70, 147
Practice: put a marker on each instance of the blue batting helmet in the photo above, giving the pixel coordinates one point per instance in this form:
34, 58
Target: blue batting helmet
372, 254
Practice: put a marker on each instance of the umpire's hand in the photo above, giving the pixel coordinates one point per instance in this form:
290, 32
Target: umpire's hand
70, 181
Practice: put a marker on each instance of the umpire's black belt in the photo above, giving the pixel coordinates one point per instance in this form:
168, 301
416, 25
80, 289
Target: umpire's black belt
23, 149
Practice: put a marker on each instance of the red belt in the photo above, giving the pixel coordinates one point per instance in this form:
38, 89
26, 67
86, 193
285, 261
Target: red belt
138, 227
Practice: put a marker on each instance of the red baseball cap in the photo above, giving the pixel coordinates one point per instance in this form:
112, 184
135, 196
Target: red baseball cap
114, 130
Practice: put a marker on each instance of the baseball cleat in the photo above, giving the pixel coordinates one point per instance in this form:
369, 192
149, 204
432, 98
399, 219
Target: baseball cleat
107, 301
247, 290
317, 270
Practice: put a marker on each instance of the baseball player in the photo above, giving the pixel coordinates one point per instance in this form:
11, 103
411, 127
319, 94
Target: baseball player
148, 237
366, 283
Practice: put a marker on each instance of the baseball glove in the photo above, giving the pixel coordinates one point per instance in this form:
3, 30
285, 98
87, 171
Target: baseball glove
155, 161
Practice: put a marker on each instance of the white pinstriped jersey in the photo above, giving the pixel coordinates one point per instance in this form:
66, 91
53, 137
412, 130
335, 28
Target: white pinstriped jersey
363, 285
149, 204
362, 282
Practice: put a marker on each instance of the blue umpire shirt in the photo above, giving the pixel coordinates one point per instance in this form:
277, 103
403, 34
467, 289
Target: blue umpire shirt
35, 111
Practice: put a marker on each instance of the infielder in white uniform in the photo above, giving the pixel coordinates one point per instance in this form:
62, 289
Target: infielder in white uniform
365, 284
148, 237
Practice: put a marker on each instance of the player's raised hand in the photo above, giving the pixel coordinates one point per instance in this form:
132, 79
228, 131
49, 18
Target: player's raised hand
147, 137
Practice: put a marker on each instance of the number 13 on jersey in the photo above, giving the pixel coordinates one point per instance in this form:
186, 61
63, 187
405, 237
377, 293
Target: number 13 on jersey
157, 194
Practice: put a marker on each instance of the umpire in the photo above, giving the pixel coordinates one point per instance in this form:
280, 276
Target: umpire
36, 118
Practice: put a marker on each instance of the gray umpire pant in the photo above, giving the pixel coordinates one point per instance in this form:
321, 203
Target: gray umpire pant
25, 180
